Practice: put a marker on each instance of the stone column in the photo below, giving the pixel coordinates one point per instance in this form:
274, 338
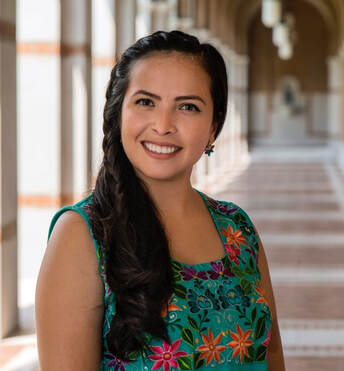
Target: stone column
159, 15
103, 60
242, 129
76, 148
8, 170
186, 12
334, 66
339, 76
125, 11
202, 14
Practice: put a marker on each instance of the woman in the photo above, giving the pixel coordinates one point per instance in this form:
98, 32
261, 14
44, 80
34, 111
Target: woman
179, 280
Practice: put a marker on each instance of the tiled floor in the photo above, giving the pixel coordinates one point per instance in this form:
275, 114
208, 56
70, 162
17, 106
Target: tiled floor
296, 201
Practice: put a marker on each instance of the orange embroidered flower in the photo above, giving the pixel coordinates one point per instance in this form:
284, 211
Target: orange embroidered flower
210, 348
233, 237
240, 342
171, 307
261, 292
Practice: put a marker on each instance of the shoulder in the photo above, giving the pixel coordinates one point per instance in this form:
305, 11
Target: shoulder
231, 210
70, 235
238, 222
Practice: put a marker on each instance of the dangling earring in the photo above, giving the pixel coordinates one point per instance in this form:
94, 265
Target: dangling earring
209, 149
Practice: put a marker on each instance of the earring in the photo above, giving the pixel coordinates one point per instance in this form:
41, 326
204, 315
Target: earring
209, 149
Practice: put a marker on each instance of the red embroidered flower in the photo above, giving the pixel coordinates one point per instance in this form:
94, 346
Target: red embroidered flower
166, 356
233, 253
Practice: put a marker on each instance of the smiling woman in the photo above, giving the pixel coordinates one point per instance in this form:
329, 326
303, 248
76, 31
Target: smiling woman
178, 280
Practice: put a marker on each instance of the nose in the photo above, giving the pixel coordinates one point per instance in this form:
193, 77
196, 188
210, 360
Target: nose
164, 122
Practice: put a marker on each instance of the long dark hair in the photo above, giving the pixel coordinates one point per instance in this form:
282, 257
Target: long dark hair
123, 216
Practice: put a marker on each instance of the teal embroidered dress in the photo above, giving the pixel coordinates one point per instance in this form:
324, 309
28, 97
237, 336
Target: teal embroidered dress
217, 318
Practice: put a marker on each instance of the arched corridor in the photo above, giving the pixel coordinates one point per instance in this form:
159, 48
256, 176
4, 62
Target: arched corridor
280, 155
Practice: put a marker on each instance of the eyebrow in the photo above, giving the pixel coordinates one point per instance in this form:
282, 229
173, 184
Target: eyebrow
182, 97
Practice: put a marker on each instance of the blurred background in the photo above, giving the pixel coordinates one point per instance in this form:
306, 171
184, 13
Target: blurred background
280, 155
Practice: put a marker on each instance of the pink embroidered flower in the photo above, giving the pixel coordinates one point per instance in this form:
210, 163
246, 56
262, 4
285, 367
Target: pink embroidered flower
266, 342
166, 356
233, 253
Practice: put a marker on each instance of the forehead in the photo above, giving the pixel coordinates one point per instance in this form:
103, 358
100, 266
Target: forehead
170, 70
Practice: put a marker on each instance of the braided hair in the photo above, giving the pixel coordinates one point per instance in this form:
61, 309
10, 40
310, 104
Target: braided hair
123, 216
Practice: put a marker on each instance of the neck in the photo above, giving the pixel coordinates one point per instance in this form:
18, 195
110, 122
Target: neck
173, 198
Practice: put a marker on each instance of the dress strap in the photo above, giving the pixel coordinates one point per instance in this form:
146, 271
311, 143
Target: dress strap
77, 207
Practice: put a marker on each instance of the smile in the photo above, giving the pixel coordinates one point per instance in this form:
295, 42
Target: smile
157, 151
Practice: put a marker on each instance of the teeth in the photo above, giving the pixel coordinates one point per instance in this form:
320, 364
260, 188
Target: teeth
159, 149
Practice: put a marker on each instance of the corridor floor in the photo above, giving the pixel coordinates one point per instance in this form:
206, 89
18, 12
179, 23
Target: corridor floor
296, 201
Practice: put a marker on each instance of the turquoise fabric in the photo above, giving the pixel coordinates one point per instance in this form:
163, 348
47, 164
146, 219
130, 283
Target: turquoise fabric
218, 317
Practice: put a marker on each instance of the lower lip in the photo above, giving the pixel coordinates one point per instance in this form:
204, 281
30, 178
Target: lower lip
161, 156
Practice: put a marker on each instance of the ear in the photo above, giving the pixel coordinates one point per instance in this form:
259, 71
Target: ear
212, 133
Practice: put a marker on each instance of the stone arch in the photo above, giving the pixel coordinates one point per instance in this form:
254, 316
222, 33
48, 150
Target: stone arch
246, 11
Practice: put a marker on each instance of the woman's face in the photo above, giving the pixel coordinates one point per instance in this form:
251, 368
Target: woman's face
167, 106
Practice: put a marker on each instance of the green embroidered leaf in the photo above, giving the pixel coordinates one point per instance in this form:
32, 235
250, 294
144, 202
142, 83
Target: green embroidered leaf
134, 354
193, 323
187, 336
260, 327
185, 363
253, 314
251, 356
251, 264
239, 273
250, 272
176, 276
177, 266
198, 363
261, 353
180, 291
246, 286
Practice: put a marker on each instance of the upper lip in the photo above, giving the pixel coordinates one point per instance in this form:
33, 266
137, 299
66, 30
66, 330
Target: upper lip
161, 143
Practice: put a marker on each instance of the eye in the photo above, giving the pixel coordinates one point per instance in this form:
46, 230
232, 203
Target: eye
145, 102
193, 107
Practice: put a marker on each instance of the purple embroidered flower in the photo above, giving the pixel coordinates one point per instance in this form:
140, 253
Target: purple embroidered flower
223, 208
190, 273
115, 362
219, 270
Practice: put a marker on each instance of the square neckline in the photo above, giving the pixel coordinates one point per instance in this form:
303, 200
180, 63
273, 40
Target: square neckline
213, 217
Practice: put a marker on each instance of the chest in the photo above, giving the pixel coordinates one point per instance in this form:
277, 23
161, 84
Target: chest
196, 240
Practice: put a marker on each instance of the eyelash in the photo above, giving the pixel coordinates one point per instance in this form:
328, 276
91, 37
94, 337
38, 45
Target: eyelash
185, 104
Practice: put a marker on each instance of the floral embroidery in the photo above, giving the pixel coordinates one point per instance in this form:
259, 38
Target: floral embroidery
166, 356
261, 292
171, 307
223, 208
233, 236
211, 349
233, 253
240, 342
218, 270
266, 342
190, 273
115, 362
222, 297
232, 296
198, 302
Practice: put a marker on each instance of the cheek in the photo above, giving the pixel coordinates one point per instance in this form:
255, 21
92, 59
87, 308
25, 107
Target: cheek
131, 125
